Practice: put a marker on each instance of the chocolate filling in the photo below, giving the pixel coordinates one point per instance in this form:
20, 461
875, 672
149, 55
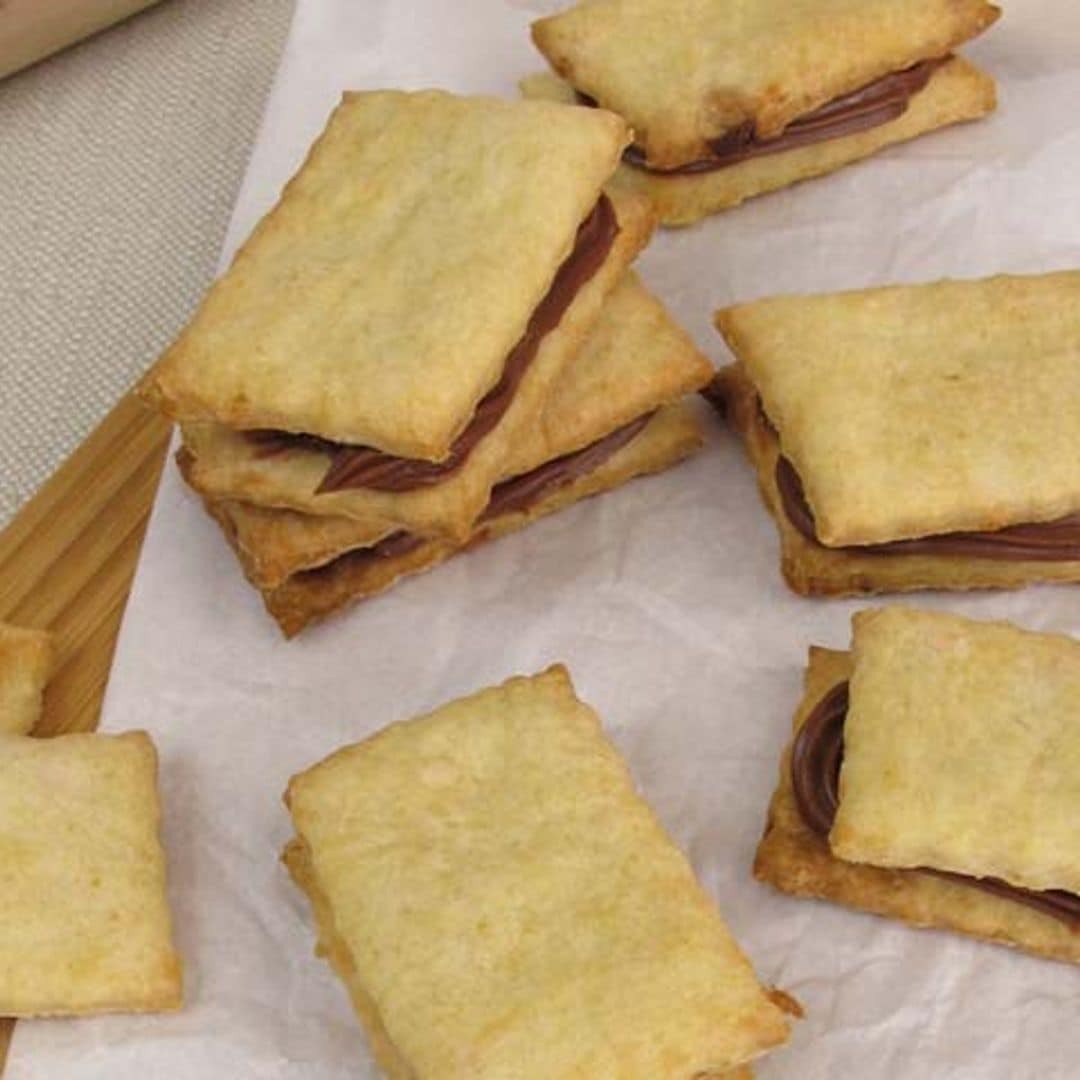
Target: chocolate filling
525, 491
875, 104
511, 496
1048, 541
364, 467
816, 757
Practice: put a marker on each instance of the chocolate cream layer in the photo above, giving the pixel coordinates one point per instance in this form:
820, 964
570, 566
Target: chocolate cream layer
816, 757
364, 467
1047, 541
516, 495
877, 103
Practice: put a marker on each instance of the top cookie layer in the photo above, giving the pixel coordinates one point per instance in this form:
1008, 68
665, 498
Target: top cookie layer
962, 749
551, 928
684, 72
377, 302
915, 410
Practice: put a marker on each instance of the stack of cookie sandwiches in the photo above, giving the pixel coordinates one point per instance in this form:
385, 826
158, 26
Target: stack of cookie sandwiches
730, 100
552, 928
389, 345
613, 415
932, 777
914, 437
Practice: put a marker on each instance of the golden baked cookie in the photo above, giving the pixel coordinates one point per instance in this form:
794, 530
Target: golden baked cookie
500, 901
964, 396
610, 417
86, 926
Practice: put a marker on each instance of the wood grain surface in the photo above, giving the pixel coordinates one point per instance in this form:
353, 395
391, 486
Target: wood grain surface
67, 560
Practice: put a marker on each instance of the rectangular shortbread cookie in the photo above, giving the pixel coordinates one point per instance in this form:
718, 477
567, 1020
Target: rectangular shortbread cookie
550, 928
86, 925
962, 749
26, 658
301, 598
812, 569
684, 72
794, 859
957, 91
226, 465
377, 302
962, 395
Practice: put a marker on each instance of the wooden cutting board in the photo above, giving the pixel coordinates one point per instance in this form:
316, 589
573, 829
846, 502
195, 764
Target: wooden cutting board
67, 560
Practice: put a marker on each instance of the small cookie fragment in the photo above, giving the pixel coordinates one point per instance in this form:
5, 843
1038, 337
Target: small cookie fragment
26, 658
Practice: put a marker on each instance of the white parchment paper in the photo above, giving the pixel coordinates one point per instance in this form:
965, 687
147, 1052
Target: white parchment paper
664, 598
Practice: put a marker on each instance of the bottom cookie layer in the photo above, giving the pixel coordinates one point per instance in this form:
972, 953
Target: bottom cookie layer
313, 594
796, 860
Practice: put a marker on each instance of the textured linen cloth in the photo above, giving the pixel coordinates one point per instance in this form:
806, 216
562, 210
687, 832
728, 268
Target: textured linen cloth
120, 159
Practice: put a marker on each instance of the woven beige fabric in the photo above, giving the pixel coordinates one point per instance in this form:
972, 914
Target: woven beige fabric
119, 164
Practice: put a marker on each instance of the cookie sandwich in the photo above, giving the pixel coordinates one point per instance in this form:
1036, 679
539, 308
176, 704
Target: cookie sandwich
613, 415
499, 900
914, 437
391, 325
934, 777
730, 100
